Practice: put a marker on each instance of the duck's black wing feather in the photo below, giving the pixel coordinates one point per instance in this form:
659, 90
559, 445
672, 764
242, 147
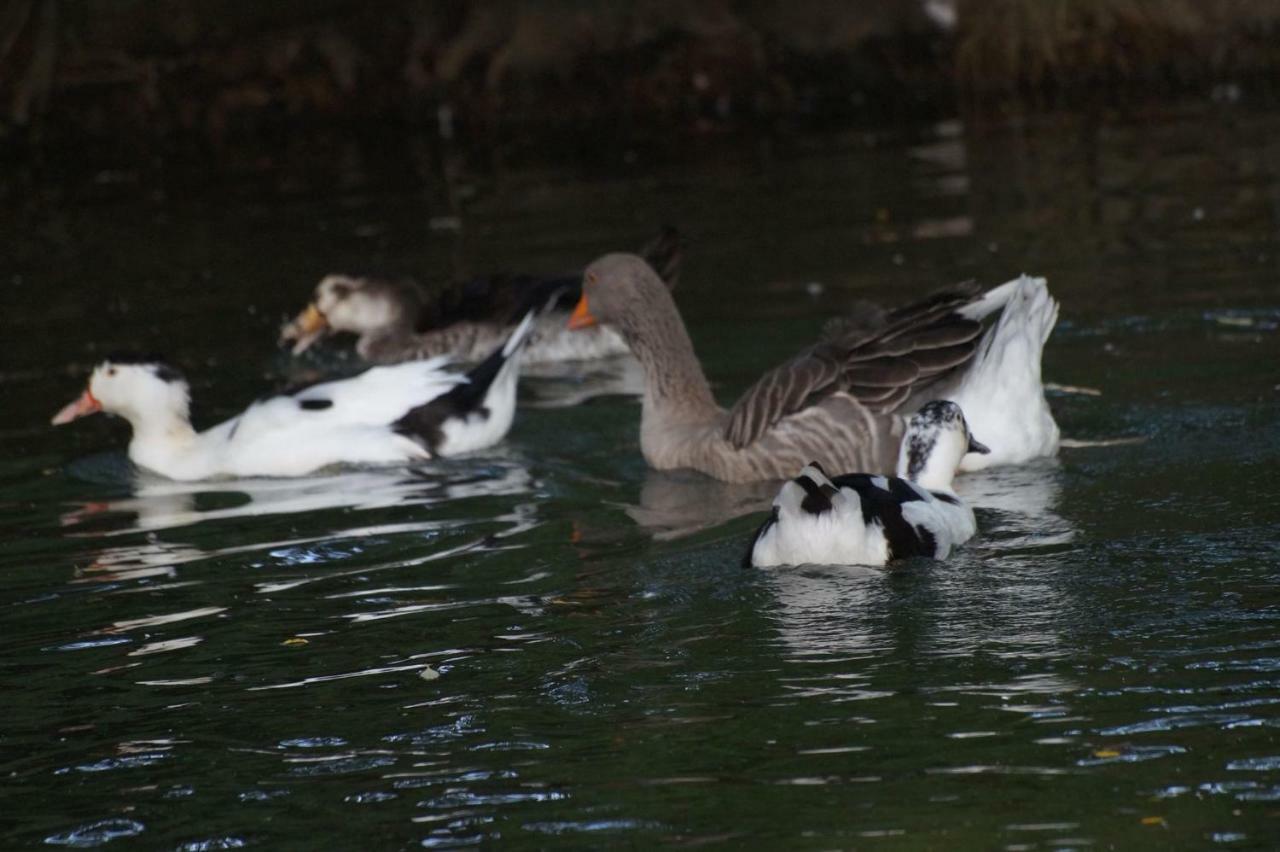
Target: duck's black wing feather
464, 400
884, 505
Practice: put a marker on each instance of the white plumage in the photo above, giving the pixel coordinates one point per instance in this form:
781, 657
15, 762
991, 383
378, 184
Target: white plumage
865, 519
385, 415
1001, 392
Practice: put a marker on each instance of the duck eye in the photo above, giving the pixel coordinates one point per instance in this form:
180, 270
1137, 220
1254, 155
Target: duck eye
111, 371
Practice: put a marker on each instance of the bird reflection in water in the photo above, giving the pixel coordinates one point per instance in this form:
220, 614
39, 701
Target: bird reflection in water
1005, 592
1018, 500
159, 505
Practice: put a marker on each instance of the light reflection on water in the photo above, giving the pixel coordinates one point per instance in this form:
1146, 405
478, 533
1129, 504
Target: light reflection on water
552, 644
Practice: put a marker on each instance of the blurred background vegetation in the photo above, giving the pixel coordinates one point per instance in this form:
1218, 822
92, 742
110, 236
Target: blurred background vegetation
123, 79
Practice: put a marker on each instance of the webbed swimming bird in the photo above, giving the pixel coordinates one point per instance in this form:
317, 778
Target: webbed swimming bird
866, 519
398, 319
385, 415
841, 401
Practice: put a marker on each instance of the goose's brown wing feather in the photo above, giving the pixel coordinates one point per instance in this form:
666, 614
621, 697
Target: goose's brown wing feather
879, 358
784, 389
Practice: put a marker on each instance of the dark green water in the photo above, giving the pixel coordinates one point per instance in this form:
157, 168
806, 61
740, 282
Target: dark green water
242, 664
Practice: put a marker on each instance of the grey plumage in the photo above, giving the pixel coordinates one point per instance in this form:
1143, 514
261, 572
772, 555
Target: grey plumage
839, 401
877, 357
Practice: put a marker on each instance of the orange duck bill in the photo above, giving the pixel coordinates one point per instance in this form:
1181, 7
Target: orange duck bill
84, 405
581, 317
304, 329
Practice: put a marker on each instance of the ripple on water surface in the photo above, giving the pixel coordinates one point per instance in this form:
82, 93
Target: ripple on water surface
551, 645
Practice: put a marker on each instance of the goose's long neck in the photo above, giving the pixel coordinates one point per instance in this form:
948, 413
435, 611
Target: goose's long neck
676, 390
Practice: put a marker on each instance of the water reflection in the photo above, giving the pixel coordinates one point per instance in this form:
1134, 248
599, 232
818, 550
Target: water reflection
1105, 632
565, 384
1005, 576
1016, 504
678, 503
161, 504
158, 506
831, 613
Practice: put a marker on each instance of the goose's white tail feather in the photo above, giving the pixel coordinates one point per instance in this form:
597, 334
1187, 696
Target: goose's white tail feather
1001, 392
994, 299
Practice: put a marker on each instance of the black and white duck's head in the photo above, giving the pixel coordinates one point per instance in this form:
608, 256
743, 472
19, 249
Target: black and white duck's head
140, 388
618, 290
359, 305
937, 438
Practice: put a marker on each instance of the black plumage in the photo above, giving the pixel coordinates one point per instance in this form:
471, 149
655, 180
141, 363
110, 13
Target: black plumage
163, 370
817, 498
884, 506
764, 528
505, 297
426, 422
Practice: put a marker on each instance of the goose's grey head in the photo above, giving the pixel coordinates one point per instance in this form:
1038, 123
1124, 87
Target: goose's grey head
617, 290
937, 438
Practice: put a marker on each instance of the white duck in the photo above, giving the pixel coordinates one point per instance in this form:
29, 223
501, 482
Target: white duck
865, 519
385, 415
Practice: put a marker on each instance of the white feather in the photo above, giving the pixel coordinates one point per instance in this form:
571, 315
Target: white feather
477, 431
1001, 392
348, 421
843, 534
376, 397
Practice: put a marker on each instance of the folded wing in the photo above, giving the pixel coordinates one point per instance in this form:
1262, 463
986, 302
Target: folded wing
877, 357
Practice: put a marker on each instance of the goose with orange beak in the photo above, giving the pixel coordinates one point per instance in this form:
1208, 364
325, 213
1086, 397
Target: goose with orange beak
843, 401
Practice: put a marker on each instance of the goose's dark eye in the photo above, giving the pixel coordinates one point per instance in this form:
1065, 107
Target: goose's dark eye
111, 371
340, 291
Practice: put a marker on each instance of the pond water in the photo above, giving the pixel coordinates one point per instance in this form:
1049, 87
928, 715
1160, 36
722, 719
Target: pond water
548, 644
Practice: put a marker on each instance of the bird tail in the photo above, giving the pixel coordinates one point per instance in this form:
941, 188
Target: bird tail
784, 537
520, 336
1001, 393
501, 364
809, 493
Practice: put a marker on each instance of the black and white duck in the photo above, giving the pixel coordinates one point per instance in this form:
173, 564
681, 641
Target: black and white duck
385, 415
868, 519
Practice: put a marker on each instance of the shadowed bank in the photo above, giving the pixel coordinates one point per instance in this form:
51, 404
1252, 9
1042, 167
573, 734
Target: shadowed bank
138, 78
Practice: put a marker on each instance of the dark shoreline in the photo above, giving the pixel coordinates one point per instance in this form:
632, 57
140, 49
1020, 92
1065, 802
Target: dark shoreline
122, 83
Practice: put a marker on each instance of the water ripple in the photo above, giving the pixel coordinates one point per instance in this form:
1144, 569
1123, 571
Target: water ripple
1256, 764
96, 833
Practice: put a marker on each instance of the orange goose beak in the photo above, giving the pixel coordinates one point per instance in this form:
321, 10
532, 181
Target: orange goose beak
581, 317
84, 405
